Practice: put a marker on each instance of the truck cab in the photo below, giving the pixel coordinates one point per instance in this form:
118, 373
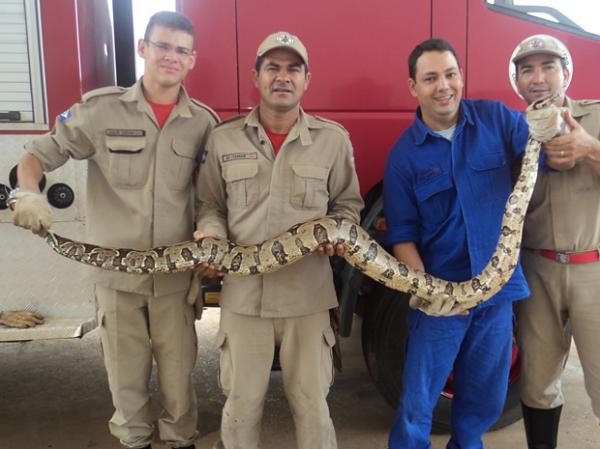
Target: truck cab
358, 57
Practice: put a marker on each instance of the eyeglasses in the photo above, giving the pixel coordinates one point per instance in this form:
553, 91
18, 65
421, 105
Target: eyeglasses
164, 48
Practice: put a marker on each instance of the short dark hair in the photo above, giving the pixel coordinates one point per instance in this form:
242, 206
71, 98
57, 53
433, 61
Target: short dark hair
172, 20
260, 59
259, 62
435, 44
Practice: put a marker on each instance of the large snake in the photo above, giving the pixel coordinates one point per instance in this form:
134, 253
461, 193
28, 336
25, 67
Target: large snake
361, 250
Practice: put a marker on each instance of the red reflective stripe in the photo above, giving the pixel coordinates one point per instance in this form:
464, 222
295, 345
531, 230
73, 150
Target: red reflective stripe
571, 258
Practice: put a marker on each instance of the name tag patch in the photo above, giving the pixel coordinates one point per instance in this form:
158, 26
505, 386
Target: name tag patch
239, 156
112, 132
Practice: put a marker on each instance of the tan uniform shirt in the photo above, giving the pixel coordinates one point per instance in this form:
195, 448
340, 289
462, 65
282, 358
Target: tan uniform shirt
139, 187
564, 213
248, 195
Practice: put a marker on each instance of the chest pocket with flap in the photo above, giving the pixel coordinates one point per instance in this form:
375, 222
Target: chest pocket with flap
434, 198
181, 163
490, 173
309, 187
241, 184
127, 161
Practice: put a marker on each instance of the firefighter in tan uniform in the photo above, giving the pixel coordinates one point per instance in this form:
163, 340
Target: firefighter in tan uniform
560, 246
264, 173
142, 145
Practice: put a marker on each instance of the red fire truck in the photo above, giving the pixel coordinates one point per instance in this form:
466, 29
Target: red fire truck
358, 53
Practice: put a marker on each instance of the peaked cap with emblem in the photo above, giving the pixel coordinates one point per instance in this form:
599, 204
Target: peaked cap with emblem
283, 39
540, 44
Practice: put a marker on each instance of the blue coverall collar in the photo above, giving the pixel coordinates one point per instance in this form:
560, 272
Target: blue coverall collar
421, 130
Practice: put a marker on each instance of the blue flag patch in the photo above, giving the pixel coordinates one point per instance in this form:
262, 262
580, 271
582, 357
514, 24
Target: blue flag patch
65, 115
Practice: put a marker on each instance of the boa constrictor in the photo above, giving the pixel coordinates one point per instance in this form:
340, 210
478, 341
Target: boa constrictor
360, 249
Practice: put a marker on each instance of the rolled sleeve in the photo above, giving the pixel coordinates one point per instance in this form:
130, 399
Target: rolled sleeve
211, 198
47, 150
345, 200
70, 138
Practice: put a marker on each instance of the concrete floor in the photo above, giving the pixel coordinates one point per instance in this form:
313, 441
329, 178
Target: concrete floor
53, 394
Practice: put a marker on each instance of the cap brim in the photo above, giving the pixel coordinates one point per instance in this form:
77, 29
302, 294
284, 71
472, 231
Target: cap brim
536, 52
285, 47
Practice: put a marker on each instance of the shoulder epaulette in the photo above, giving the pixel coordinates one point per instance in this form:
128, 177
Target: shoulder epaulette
586, 103
233, 119
206, 108
335, 124
108, 90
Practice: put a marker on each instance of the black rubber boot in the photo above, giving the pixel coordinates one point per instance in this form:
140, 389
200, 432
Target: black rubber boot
541, 426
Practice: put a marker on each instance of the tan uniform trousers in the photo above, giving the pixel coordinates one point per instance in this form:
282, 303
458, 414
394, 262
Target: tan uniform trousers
134, 328
561, 293
247, 346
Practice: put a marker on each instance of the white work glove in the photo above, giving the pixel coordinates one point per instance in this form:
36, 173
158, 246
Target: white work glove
447, 307
30, 211
20, 318
546, 123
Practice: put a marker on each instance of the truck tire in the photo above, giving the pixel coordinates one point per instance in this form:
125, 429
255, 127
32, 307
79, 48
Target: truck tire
384, 334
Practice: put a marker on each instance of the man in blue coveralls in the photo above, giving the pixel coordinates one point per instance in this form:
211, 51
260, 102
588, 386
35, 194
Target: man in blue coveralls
446, 183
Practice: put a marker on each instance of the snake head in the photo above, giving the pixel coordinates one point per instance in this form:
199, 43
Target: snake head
545, 120
545, 102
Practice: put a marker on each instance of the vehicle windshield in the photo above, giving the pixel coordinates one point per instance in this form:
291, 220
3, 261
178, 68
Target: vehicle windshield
577, 15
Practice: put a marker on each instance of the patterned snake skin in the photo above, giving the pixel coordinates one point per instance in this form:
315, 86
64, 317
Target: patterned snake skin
361, 250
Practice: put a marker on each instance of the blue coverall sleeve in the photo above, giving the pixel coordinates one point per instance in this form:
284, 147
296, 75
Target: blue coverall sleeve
517, 129
402, 217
